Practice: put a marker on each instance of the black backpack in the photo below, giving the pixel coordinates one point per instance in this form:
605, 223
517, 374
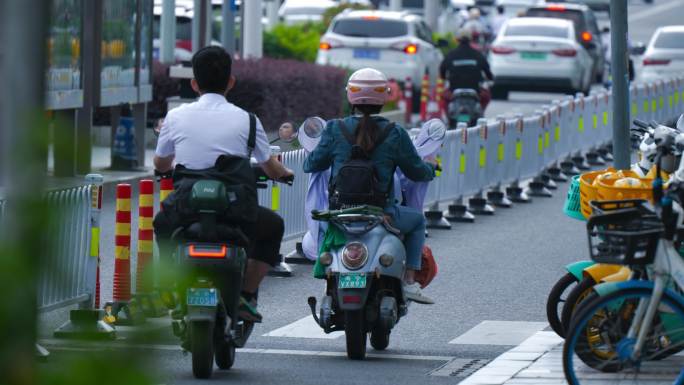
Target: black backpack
237, 176
356, 182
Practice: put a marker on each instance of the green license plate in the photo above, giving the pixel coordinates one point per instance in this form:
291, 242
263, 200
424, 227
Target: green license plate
352, 281
463, 118
533, 55
201, 297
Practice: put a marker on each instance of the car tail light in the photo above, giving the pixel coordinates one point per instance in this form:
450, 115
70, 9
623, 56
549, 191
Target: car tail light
501, 50
656, 62
407, 48
354, 255
586, 36
198, 252
565, 52
328, 44
556, 7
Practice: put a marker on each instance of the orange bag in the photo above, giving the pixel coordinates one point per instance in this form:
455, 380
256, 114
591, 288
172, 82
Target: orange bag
428, 269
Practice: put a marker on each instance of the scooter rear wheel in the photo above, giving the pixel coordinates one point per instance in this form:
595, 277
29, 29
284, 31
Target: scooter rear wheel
355, 333
202, 345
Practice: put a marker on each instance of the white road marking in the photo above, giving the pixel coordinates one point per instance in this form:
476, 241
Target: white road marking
303, 328
499, 333
64, 345
654, 10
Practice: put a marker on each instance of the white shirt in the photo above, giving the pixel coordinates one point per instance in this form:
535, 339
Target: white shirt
198, 133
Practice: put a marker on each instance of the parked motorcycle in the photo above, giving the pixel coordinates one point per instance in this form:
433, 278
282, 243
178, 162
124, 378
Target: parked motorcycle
364, 264
211, 261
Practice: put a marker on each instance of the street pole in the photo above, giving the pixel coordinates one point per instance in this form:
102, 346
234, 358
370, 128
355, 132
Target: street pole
168, 32
620, 74
272, 7
252, 43
201, 24
23, 153
395, 5
431, 13
228, 26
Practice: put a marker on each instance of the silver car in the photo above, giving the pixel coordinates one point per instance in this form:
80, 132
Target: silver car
539, 54
397, 43
664, 56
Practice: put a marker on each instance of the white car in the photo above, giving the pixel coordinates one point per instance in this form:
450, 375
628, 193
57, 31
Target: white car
664, 56
539, 54
397, 43
302, 11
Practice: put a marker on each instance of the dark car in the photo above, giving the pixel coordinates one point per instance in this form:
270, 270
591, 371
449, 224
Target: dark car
586, 27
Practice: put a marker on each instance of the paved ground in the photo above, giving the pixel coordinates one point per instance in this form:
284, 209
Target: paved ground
490, 293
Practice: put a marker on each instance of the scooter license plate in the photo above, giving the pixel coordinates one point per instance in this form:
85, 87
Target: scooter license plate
352, 281
463, 118
201, 297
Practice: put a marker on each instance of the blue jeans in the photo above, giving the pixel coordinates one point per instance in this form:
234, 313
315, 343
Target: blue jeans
411, 223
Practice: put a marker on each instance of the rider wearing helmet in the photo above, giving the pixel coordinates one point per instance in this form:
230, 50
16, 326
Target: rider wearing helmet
466, 67
367, 92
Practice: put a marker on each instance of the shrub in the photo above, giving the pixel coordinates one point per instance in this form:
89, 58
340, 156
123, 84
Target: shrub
330, 13
287, 90
298, 42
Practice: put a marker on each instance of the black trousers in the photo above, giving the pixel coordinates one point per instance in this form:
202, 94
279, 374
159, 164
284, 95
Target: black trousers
265, 235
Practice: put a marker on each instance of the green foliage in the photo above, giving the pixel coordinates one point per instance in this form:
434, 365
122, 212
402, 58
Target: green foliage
330, 13
298, 42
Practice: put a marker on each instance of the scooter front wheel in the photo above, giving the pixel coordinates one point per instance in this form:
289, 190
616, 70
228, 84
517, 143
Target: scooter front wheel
379, 338
225, 355
355, 333
202, 347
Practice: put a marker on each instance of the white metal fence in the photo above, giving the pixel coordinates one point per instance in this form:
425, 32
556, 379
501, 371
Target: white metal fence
504, 151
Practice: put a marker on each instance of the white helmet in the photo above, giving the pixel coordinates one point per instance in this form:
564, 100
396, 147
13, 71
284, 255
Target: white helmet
368, 86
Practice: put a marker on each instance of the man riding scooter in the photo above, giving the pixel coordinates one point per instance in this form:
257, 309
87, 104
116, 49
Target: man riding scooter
195, 136
467, 69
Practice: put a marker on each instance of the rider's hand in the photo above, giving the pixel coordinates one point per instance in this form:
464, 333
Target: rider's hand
287, 176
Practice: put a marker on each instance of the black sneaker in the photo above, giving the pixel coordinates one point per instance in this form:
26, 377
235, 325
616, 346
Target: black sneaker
248, 310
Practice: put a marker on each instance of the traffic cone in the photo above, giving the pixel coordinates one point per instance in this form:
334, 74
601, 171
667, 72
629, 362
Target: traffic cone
424, 96
408, 100
123, 310
441, 100
148, 299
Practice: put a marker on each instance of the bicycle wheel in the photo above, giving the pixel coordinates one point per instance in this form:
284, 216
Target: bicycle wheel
556, 301
597, 339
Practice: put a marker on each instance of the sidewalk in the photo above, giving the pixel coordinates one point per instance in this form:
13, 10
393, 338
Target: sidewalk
100, 165
539, 361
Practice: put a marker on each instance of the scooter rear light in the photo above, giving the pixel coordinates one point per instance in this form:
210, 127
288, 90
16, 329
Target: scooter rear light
501, 50
199, 252
354, 255
586, 36
351, 299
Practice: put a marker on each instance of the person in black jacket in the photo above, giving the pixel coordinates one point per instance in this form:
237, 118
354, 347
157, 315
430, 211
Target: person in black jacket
465, 67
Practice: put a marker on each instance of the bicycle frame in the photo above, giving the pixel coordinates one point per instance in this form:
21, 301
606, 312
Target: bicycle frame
668, 264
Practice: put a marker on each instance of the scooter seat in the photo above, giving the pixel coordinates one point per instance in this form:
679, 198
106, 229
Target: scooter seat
223, 233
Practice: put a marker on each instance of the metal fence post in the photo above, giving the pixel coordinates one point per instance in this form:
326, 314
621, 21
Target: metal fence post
458, 211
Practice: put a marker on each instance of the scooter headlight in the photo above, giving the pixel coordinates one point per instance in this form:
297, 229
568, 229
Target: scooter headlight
325, 258
354, 255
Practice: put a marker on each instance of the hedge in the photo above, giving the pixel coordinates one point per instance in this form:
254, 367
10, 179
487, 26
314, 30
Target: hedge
287, 90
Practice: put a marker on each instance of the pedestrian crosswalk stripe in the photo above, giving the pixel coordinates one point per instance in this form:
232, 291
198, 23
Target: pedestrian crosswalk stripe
499, 333
303, 328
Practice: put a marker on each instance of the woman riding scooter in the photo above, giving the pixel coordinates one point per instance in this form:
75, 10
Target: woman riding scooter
388, 146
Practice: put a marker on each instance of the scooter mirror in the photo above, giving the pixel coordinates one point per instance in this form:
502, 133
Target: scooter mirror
436, 130
287, 132
310, 132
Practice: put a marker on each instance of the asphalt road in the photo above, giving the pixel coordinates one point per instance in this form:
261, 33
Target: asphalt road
498, 269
